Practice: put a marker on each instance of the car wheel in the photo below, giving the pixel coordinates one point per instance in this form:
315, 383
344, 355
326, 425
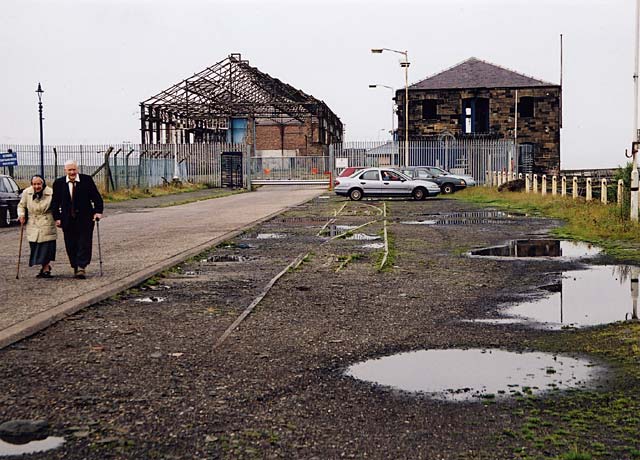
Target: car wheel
448, 189
355, 194
5, 217
419, 193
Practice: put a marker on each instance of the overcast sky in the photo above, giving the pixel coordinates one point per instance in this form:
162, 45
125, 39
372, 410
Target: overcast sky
98, 59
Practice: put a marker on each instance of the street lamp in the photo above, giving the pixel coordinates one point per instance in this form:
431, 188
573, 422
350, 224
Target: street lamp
393, 116
39, 92
405, 65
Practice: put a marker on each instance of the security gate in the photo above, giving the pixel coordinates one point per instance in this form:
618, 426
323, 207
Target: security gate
231, 169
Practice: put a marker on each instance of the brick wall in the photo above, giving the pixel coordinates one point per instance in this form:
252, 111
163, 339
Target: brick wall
543, 129
302, 138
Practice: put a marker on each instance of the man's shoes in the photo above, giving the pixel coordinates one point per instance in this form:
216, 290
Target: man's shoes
75, 270
81, 274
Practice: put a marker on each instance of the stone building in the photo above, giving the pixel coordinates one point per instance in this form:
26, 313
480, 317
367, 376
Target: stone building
482, 100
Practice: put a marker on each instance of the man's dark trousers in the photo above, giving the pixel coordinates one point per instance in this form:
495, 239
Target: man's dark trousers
78, 240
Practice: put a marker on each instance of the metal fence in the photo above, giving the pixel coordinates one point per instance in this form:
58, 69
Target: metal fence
129, 165
462, 156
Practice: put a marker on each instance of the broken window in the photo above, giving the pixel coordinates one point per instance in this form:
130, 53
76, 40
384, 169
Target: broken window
429, 109
525, 107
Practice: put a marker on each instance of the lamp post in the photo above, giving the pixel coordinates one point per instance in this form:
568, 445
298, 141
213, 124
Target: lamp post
39, 92
405, 65
376, 85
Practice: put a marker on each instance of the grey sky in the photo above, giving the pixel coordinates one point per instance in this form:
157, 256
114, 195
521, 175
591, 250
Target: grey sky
97, 59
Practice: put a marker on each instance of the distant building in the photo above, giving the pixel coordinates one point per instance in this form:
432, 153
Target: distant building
234, 102
478, 99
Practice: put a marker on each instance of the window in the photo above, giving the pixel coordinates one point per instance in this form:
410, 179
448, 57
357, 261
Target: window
370, 175
475, 115
4, 187
525, 107
429, 109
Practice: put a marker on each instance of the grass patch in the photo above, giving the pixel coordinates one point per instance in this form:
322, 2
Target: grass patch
135, 193
605, 225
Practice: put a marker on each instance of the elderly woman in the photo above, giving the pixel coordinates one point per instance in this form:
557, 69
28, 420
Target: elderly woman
35, 210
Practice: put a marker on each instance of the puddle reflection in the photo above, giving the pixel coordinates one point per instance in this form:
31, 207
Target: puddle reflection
10, 449
599, 295
463, 375
540, 248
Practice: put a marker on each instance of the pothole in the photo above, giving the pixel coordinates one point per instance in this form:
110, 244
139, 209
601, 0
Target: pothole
466, 375
363, 237
599, 295
373, 246
539, 248
270, 236
225, 258
152, 299
467, 218
29, 447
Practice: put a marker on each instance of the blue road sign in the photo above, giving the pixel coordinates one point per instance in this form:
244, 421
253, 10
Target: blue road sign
9, 159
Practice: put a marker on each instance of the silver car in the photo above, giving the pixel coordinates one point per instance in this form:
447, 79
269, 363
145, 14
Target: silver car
436, 171
383, 182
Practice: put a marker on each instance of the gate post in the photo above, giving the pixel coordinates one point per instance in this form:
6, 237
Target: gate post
603, 191
563, 190
574, 187
535, 183
620, 191
543, 187
527, 183
589, 189
554, 185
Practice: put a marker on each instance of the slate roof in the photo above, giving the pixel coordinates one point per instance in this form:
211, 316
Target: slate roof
476, 73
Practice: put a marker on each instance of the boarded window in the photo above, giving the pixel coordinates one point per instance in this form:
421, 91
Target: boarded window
525, 107
429, 109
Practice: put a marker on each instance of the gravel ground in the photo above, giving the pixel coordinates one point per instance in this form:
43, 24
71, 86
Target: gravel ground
131, 379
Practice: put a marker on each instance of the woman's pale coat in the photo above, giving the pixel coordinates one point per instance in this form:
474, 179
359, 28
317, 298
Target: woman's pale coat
40, 224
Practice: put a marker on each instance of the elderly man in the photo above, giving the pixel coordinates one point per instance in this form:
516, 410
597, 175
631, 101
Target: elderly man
76, 204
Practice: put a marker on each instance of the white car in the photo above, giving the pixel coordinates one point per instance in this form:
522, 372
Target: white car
383, 182
471, 182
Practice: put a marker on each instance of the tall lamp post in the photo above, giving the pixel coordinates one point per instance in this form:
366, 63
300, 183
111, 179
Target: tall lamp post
405, 65
39, 92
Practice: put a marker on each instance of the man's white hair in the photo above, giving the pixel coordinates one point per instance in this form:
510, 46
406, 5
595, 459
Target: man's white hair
70, 162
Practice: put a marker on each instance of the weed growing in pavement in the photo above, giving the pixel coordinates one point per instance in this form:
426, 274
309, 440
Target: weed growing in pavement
586, 221
604, 423
136, 193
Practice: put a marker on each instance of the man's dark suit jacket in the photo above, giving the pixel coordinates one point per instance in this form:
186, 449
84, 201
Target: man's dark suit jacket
87, 200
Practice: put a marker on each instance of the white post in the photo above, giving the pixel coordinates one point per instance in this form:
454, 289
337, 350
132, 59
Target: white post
554, 185
535, 183
487, 180
603, 191
574, 187
543, 187
527, 185
519, 175
589, 189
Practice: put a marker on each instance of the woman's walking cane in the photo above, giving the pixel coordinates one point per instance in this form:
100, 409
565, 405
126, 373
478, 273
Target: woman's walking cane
20, 251
99, 245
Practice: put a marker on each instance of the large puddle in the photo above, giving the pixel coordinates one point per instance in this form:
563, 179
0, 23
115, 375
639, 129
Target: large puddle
599, 295
540, 248
29, 447
467, 218
465, 375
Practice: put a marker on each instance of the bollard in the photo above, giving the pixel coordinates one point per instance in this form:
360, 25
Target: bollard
487, 180
574, 187
543, 187
503, 178
519, 175
563, 186
620, 191
535, 183
589, 197
603, 191
526, 183
495, 179
554, 185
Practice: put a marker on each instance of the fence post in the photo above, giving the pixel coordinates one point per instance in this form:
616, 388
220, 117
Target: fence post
107, 169
563, 186
620, 192
603, 191
554, 185
589, 189
494, 181
535, 183
574, 187
543, 187
487, 180
526, 183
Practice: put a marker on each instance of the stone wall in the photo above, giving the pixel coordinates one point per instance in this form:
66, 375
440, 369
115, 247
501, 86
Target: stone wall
543, 129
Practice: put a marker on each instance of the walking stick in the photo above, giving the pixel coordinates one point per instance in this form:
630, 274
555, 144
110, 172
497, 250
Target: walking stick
99, 245
20, 251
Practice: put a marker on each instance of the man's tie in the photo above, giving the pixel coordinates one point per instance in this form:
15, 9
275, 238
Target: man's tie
73, 192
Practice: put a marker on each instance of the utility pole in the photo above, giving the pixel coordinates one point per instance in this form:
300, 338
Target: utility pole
636, 134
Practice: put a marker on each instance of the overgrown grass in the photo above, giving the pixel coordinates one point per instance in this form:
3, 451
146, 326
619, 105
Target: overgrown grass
605, 225
136, 193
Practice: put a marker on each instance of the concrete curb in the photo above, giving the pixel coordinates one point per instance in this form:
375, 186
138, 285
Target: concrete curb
37, 323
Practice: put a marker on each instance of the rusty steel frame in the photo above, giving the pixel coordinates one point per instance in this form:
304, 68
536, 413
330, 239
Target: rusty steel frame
204, 103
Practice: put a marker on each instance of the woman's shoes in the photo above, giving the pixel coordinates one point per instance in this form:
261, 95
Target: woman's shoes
45, 273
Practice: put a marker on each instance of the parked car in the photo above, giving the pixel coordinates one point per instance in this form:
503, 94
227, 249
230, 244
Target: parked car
436, 171
379, 182
346, 172
447, 183
9, 198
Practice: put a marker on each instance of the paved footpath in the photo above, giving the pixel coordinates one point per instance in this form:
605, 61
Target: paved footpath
136, 244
